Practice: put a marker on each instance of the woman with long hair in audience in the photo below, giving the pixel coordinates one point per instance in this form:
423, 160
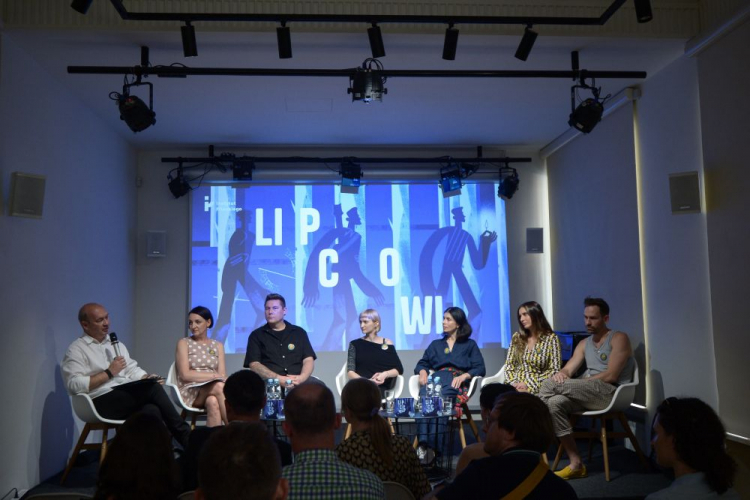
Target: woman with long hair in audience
372, 446
201, 369
534, 352
373, 357
140, 463
688, 437
455, 358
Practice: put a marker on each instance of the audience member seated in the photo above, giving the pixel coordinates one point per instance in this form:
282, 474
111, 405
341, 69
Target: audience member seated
487, 399
373, 357
455, 358
245, 397
140, 463
317, 473
519, 430
688, 437
534, 352
241, 462
609, 363
372, 446
200, 368
117, 385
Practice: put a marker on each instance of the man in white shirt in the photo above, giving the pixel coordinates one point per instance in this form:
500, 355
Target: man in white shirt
91, 366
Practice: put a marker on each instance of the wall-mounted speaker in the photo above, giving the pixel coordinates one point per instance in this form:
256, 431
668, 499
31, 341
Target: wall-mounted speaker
534, 240
156, 243
27, 195
685, 193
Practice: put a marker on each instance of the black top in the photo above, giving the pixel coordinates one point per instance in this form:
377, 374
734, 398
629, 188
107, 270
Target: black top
281, 352
198, 438
495, 477
368, 358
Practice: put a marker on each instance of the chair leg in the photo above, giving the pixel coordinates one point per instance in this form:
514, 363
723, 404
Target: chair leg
472, 424
461, 434
192, 422
390, 424
591, 436
103, 450
558, 456
76, 451
605, 450
348, 431
633, 440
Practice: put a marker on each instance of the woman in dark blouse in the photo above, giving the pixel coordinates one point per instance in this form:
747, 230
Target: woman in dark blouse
373, 357
455, 358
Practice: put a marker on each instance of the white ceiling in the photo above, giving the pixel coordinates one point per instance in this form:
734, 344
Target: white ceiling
242, 111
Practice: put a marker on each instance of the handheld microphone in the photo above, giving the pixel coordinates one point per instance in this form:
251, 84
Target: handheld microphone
115, 343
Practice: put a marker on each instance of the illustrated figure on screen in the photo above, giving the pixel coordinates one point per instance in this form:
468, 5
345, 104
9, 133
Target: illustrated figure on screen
346, 242
235, 272
458, 240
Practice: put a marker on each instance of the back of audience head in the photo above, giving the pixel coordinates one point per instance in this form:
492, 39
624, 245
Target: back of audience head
526, 420
360, 401
310, 410
488, 396
245, 394
140, 463
689, 431
241, 462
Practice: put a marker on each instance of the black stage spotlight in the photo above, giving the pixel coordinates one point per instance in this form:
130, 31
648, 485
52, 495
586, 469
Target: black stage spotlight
135, 113
243, 170
450, 181
527, 43
284, 41
351, 177
366, 84
643, 11
508, 183
81, 6
189, 45
450, 43
178, 186
585, 117
376, 41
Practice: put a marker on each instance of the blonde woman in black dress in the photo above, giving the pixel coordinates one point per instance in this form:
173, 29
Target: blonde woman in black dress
373, 357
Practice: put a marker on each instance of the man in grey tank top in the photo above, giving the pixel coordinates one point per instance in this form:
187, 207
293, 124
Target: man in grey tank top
609, 362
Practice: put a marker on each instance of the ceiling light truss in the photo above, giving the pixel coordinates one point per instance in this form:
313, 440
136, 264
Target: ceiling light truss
375, 36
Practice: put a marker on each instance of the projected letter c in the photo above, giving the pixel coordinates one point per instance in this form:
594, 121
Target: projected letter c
325, 280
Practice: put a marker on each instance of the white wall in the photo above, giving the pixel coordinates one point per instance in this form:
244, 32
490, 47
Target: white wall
162, 283
82, 250
724, 76
677, 299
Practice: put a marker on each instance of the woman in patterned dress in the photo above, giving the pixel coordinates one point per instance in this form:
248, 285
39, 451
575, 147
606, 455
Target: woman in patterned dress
200, 368
534, 352
372, 446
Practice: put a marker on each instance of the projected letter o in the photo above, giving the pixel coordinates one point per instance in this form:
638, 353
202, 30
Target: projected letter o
325, 280
392, 255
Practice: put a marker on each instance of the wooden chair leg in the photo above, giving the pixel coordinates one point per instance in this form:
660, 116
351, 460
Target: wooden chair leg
633, 440
472, 424
592, 431
545, 459
192, 422
348, 431
76, 451
558, 456
461, 434
103, 450
605, 450
390, 424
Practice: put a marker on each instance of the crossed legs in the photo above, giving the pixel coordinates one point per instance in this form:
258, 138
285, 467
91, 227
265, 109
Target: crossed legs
211, 397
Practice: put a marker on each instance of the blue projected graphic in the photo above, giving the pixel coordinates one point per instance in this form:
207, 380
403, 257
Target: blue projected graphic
401, 249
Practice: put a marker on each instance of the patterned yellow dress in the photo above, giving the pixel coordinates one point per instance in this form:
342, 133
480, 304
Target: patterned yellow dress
533, 366
203, 358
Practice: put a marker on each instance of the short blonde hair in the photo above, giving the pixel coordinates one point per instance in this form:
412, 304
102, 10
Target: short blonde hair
372, 315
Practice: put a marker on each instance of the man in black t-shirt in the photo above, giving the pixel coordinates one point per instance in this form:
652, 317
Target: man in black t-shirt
280, 349
519, 430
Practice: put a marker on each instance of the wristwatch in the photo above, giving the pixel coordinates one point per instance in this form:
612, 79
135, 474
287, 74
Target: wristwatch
109, 373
